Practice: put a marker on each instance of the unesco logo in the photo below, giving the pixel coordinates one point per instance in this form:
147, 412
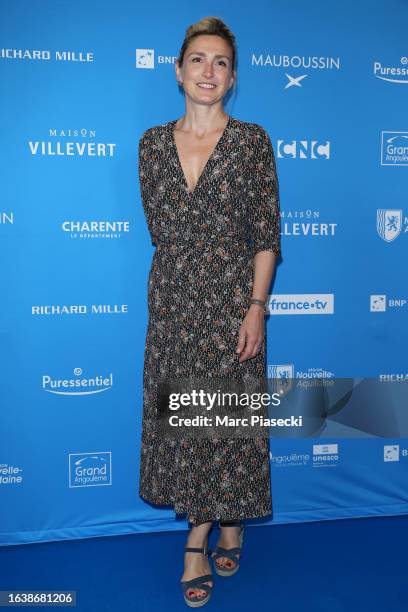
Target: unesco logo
325, 455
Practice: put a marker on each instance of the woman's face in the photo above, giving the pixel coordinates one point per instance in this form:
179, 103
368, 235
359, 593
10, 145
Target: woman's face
206, 73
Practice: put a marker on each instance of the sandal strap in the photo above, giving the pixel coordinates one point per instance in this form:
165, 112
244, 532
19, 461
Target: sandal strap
231, 553
205, 550
198, 582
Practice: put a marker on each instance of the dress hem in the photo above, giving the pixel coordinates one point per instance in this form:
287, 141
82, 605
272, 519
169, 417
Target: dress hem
204, 518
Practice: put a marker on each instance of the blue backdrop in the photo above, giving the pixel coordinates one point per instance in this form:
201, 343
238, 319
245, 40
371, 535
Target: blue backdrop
81, 82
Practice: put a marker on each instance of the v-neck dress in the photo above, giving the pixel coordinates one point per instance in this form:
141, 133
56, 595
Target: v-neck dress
199, 289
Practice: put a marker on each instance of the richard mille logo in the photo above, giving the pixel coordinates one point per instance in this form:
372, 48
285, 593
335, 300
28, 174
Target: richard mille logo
79, 309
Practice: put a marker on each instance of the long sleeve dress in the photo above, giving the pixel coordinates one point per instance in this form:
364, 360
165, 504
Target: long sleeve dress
199, 289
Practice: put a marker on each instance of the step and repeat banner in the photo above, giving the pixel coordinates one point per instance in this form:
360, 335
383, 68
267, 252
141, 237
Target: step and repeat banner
81, 83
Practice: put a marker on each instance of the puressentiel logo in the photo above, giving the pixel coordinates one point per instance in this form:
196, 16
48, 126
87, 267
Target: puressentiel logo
303, 149
301, 303
78, 385
90, 469
394, 148
391, 452
325, 455
389, 223
392, 74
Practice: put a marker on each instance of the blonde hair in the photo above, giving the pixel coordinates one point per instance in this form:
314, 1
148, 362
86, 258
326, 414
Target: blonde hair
209, 26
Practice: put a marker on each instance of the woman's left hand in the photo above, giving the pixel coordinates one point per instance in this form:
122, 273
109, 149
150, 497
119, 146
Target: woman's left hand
251, 333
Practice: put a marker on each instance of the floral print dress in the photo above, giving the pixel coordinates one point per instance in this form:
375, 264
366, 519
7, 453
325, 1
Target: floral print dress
199, 288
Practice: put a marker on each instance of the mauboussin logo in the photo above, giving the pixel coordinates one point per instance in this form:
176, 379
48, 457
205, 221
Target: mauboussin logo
78, 385
90, 469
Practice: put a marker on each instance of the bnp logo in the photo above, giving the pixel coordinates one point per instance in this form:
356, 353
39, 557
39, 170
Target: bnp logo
144, 58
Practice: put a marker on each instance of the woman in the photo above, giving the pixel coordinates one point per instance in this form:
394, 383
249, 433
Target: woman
208, 184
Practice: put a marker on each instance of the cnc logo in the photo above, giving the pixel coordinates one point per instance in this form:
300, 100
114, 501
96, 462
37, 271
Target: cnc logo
303, 149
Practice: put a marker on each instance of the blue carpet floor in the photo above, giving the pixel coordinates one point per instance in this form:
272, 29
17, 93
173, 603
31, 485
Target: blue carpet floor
331, 566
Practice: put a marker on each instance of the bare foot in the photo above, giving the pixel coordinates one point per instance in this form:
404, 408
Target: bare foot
229, 538
196, 564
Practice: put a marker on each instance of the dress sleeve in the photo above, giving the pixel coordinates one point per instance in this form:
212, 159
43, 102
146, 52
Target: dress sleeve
146, 165
143, 166
263, 197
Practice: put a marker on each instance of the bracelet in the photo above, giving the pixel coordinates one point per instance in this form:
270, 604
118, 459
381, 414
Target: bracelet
259, 302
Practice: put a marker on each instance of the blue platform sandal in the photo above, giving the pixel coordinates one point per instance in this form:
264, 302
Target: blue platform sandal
230, 553
196, 601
